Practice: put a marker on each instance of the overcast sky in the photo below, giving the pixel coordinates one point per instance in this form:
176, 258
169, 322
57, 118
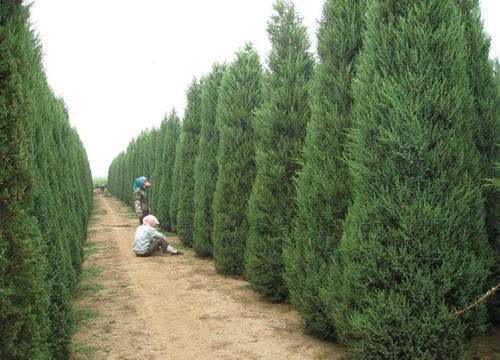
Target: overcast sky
122, 64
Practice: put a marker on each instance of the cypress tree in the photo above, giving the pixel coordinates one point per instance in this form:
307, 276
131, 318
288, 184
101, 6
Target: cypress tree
43, 212
496, 78
71, 226
414, 246
240, 95
323, 184
280, 126
172, 129
156, 145
57, 173
49, 211
23, 291
188, 151
485, 94
205, 170
51, 144
135, 161
494, 184
174, 197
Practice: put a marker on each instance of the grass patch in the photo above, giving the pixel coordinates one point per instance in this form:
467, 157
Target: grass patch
85, 316
91, 248
90, 273
324, 355
247, 286
82, 351
87, 285
180, 246
87, 289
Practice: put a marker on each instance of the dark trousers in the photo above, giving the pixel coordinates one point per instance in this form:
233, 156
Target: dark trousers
141, 218
156, 244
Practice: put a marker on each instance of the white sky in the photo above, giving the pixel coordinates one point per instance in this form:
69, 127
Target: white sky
122, 64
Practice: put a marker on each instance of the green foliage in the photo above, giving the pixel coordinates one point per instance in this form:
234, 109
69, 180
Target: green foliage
170, 134
44, 173
494, 192
280, 126
414, 245
151, 154
98, 182
240, 95
324, 184
487, 126
174, 197
377, 229
23, 292
189, 148
145, 156
153, 164
205, 169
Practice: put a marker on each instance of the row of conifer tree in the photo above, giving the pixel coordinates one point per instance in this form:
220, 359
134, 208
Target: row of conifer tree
45, 200
355, 186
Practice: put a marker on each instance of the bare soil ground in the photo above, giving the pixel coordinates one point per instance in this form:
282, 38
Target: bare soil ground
175, 307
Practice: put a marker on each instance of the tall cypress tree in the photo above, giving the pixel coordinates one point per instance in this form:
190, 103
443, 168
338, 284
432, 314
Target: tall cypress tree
174, 197
484, 92
155, 143
23, 291
494, 184
51, 144
72, 229
324, 184
49, 210
414, 246
170, 138
205, 170
240, 95
487, 138
280, 126
188, 151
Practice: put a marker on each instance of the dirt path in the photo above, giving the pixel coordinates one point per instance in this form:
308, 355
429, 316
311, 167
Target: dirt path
169, 307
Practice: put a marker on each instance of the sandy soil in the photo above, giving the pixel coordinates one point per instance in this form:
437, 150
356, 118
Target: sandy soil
178, 307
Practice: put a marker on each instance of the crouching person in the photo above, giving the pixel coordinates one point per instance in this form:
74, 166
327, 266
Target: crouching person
148, 239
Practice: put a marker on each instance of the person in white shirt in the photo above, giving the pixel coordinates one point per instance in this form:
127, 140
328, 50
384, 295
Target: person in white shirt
148, 239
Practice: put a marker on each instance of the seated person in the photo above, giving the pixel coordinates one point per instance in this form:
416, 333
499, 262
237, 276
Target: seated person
148, 239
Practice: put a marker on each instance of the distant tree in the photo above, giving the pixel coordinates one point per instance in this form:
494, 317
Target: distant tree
170, 138
155, 145
174, 197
